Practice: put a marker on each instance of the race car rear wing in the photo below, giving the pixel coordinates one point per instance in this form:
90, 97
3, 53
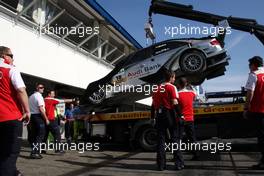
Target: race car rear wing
187, 12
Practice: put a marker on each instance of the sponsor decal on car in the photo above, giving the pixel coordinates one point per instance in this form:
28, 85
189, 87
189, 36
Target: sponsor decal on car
144, 70
136, 73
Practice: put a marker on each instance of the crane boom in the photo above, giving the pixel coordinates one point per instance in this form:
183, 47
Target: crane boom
187, 12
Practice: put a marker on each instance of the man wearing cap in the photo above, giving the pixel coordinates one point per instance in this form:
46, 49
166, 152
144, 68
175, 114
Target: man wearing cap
13, 108
254, 106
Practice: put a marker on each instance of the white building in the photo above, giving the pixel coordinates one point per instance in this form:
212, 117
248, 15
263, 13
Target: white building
66, 44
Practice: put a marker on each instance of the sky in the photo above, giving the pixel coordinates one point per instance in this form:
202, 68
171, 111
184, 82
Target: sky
133, 14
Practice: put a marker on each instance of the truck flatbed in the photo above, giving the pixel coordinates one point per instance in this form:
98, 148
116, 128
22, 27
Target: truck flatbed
136, 115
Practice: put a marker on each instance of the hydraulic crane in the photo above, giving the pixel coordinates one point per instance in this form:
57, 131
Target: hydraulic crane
187, 12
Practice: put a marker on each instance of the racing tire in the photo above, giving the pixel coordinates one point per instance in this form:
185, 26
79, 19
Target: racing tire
97, 97
192, 62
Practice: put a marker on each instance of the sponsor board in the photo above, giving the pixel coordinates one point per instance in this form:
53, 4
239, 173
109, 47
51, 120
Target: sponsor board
218, 109
120, 116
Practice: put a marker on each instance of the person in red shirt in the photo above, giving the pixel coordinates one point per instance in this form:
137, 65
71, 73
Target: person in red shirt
254, 106
164, 102
186, 97
53, 126
14, 107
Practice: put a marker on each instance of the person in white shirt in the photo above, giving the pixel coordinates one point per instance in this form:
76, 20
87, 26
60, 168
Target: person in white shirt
38, 121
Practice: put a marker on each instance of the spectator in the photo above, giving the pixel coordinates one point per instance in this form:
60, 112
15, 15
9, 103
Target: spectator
38, 121
69, 132
78, 123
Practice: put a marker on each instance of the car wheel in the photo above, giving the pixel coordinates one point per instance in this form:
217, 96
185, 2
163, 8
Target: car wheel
98, 96
148, 138
192, 62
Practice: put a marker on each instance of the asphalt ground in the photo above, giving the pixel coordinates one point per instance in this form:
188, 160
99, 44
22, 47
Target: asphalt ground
120, 160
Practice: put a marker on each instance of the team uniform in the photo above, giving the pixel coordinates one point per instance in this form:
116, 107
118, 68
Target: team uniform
10, 112
255, 83
162, 102
186, 98
155, 102
53, 127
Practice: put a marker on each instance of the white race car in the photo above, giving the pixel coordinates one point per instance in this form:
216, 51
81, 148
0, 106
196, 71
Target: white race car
196, 58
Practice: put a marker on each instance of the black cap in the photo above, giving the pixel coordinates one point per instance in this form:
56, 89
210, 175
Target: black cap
256, 60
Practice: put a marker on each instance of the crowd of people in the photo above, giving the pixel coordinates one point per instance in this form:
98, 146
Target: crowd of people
38, 113
44, 121
172, 109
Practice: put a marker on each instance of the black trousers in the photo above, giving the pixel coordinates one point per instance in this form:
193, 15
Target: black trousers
36, 132
54, 128
69, 131
10, 137
175, 132
190, 134
258, 118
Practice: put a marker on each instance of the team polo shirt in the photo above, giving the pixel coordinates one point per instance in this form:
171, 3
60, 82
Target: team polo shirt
167, 93
50, 106
156, 98
10, 81
186, 98
255, 83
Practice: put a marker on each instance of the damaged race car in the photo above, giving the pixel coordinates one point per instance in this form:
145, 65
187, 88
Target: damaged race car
196, 58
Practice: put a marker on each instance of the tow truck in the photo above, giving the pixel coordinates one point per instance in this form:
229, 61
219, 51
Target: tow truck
122, 122
221, 118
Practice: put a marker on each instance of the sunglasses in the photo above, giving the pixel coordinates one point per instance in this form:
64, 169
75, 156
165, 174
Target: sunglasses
40, 87
10, 55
